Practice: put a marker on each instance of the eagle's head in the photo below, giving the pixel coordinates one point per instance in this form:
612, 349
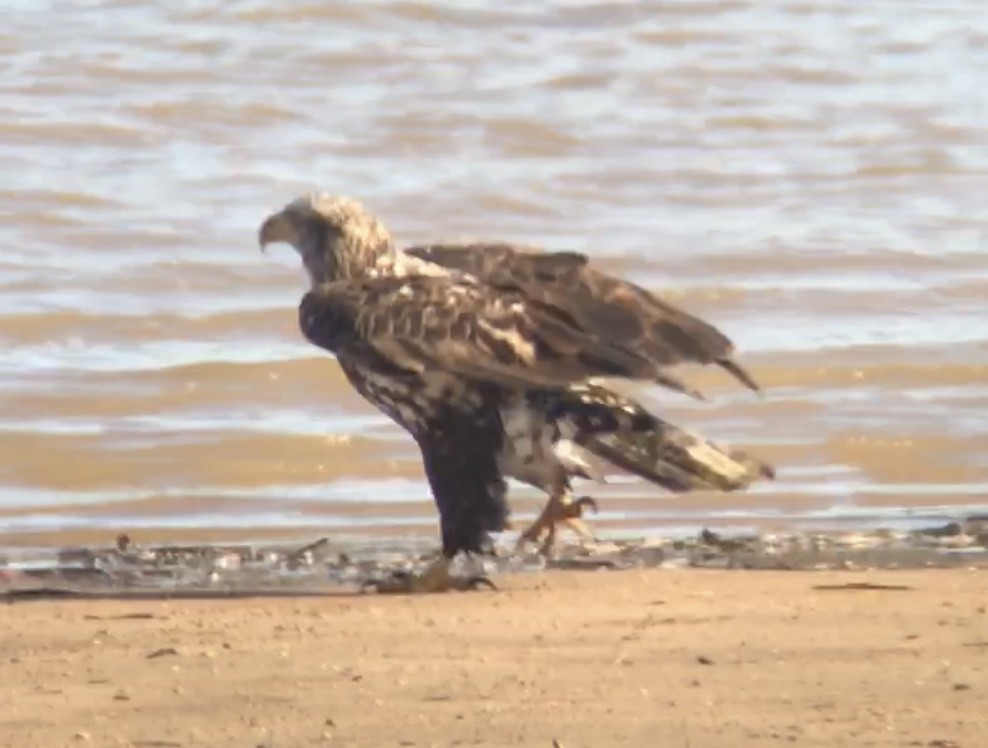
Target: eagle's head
336, 237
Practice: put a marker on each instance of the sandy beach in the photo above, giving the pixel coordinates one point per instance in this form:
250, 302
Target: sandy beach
630, 658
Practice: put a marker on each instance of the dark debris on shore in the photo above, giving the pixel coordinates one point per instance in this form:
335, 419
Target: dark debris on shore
126, 570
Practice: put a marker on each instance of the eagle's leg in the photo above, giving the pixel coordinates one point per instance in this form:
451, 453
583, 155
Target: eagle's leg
435, 578
561, 508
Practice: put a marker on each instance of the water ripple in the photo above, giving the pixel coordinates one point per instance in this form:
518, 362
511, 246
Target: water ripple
805, 174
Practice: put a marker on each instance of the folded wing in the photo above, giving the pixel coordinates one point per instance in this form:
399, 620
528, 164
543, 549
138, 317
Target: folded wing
475, 330
603, 305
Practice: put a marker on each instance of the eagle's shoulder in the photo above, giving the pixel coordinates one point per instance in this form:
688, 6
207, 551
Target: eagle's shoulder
474, 329
501, 261
362, 309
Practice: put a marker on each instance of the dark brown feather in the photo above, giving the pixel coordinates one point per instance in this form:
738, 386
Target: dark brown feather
491, 259
605, 306
419, 323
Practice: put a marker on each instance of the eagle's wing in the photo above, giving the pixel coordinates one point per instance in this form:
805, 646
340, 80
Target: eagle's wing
638, 318
602, 304
420, 323
502, 261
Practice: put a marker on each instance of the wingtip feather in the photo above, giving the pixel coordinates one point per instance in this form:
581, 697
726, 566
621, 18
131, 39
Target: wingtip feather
739, 373
677, 385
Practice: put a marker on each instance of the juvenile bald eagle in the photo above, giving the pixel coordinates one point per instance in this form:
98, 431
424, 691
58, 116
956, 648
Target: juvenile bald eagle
489, 357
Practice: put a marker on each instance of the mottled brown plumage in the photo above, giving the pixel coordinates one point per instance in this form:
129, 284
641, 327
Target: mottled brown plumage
605, 306
478, 331
489, 362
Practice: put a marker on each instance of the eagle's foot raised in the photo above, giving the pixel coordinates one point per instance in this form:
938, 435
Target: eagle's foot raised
564, 510
436, 578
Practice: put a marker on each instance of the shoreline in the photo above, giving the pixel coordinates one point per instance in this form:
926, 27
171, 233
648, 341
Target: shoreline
210, 566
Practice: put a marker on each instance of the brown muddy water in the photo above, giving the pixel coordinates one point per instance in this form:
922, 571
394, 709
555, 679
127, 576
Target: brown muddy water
811, 176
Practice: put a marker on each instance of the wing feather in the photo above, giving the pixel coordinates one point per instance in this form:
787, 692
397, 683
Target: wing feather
419, 323
488, 260
621, 431
605, 306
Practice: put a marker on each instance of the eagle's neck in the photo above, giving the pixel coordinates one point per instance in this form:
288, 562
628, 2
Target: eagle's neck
400, 264
377, 261
357, 259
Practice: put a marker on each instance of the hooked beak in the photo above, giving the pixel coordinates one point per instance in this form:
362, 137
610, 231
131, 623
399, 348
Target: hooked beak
276, 228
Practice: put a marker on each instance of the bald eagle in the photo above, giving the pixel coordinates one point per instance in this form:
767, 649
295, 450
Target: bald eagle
492, 358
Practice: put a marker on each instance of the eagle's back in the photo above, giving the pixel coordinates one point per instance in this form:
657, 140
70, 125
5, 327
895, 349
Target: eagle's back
606, 306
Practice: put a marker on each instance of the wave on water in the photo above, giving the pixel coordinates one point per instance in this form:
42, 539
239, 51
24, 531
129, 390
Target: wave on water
813, 188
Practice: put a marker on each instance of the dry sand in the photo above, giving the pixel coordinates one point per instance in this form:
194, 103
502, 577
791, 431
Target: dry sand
634, 658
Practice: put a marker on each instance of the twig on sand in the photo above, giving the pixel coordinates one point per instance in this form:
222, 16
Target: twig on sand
315, 545
61, 593
862, 586
164, 651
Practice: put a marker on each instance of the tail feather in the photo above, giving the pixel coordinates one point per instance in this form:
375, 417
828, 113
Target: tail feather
678, 460
620, 431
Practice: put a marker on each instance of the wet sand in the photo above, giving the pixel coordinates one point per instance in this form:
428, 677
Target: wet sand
621, 658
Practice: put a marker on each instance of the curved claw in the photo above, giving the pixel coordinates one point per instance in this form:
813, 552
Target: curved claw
575, 508
474, 584
587, 501
384, 586
405, 583
394, 582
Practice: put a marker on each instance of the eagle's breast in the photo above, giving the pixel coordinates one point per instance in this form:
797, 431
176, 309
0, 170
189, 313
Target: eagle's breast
415, 401
528, 452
